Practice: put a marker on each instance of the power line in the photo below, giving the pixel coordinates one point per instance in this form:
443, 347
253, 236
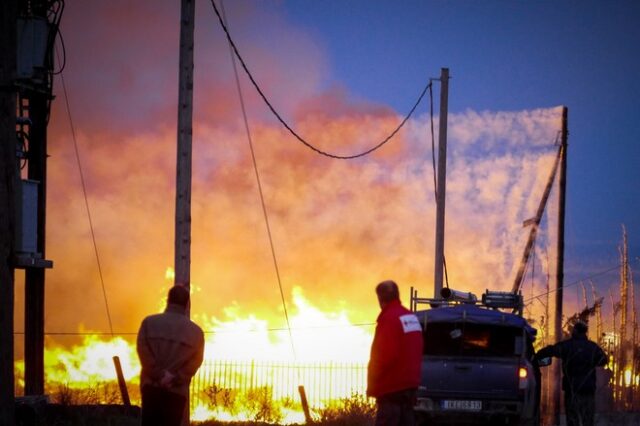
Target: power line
270, 330
257, 173
56, 33
86, 201
597, 274
366, 324
287, 126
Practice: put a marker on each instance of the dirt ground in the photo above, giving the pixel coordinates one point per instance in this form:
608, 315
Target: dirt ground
614, 419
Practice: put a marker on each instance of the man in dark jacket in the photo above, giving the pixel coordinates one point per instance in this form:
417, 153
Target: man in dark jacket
396, 358
580, 356
170, 347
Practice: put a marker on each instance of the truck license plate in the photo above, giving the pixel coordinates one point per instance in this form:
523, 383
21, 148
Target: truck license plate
461, 405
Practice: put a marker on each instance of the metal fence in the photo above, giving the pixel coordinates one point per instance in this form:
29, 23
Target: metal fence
323, 382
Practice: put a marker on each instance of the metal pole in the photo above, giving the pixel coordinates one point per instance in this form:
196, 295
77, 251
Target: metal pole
8, 187
560, 263
183, 169
442, 182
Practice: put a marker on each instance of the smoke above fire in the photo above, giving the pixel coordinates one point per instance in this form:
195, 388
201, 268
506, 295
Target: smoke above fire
338, 227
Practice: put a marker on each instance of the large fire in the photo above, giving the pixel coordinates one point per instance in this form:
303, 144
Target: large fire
251, 368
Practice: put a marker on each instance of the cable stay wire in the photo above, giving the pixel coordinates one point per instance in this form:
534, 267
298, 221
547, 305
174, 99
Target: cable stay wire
86, 201
257, 174
287, 126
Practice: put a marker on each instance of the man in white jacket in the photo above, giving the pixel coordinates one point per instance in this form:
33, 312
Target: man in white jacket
170, 347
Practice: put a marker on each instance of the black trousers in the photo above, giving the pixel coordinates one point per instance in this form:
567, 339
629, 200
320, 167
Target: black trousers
161, 407
579, 409
396, 409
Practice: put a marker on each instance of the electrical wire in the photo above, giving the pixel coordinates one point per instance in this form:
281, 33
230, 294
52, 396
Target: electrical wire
287, 126
365, 324
55, 17
261, 192
64, 54
597, 274
276, 329
270, 330
86, 201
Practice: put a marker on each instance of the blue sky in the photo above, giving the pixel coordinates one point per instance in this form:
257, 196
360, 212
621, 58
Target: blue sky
512, 55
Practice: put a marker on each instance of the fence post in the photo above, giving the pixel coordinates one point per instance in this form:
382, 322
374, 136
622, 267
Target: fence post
123, 385
252, 377
331, 370
305, 404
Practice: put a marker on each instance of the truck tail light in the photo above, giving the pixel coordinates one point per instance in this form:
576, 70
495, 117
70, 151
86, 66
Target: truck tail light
523, 377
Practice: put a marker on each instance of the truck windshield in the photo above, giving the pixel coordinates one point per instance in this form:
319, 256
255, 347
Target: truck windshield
467, 339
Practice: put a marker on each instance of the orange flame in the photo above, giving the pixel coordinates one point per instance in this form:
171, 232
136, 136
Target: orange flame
315, 337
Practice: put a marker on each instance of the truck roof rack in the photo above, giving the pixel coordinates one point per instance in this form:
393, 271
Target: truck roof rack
490, 299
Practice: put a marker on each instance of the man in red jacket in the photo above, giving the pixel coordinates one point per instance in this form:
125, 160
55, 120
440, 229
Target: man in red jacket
396, 358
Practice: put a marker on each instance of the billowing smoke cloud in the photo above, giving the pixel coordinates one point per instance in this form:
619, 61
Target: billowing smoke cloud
338, 227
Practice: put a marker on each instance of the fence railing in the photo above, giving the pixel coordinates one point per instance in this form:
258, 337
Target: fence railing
323, 382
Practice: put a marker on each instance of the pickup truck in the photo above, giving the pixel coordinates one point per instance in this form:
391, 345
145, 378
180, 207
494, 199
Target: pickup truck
477, 367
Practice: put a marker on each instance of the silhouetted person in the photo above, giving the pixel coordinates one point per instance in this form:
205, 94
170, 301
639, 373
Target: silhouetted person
604, 392
170, 347
580, 356
396, 359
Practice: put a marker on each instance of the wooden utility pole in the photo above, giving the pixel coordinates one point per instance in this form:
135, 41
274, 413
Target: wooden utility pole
35, 275
442, 182
36, 25
560, 263
183, 169
9, 177
39, 99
